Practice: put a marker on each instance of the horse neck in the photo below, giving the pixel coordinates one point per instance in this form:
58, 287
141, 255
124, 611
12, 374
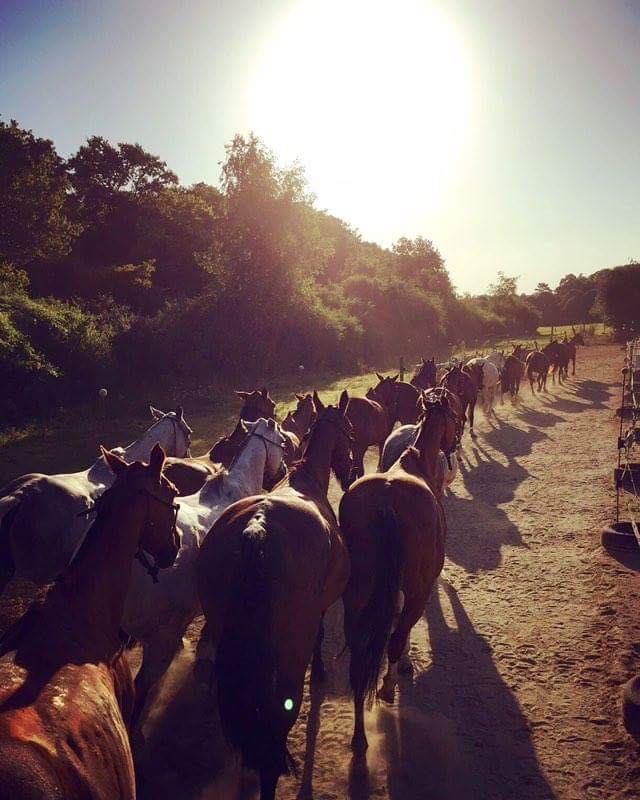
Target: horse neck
316, 462
247, 471
428, 444
96, 583
163, 432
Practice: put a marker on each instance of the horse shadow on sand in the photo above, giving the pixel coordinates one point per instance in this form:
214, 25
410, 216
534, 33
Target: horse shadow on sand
459, 732
593, 394
478, 527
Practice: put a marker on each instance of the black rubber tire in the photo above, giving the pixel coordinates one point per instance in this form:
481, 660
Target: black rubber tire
619, 536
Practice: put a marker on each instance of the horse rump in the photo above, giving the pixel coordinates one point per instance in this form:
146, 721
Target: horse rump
369, 634
245, 665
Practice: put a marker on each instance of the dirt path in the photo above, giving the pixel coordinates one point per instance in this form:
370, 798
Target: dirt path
518, 658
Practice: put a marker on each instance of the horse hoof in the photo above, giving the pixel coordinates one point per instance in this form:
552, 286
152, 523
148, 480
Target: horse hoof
387, 693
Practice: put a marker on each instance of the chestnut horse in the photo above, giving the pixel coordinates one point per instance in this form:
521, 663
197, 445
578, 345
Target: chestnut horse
400, 399
425, 376
267, 572
299, 422
511, 375
65, 687
463, 383
576, 339
395, 528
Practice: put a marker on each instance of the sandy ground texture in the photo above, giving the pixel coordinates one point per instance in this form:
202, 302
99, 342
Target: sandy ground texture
519, 656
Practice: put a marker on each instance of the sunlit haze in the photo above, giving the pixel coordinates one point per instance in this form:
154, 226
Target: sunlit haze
506, 132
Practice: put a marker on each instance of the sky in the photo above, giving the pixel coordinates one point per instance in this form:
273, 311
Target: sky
505, 131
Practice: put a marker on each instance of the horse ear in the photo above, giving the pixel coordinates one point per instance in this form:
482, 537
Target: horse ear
395, 377
344, 401
424, 360
264, 391
242, 395
156, 461
299, 397
116, 464
243, 426
156, 413
317, 402
379, 376
180, 413
271, 423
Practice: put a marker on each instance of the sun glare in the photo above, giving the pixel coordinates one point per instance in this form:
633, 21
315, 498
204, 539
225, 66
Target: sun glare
374, 99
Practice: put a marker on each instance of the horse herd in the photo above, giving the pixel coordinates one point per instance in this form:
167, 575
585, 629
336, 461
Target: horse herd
254, 545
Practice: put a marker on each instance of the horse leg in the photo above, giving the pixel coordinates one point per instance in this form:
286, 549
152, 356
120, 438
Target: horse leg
318, 672
359, 743
358, 459
399, 642
472, 407
573, 360
355, 599
268, 783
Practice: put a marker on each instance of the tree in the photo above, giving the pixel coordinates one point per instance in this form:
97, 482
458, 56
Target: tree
619, 296
34, 225
505, 286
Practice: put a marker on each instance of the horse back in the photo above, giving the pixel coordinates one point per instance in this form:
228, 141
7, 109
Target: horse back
369, 420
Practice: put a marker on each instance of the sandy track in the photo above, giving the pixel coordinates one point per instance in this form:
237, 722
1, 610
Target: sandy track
518, 657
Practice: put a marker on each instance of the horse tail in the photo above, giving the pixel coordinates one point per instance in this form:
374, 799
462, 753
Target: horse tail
9, 507
371, 631
245, 663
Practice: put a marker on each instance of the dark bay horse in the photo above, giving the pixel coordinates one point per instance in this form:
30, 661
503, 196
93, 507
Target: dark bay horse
576, 339
299, 422
511, 376
66, 692
425, 376
400, 399
464, 384
267, 572
395, 530
256, 404
538, 365
371, 426
558, 355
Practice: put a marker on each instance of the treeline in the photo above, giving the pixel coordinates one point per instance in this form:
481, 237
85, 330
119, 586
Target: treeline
112, 273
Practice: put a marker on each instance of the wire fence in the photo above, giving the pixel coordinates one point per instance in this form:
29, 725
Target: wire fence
627, 474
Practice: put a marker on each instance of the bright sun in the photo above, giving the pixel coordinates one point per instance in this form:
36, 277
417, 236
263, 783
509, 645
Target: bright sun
374, 99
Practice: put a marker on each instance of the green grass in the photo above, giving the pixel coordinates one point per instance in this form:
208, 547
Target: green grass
592, 329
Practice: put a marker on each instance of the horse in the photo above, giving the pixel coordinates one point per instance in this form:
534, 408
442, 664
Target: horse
259, 404
462, 383
66, 690
576, 339
399, 399
157, 614
497, 358
557, 356
299, 422
267, 571
395, 530
537, 366
256, 404
488, 383
425, 375
40, 526
371, 426
511, 375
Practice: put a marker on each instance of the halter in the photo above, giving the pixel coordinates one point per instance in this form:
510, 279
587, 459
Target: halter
151, 567
265, 441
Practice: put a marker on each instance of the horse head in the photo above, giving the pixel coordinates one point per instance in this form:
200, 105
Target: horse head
336, 416
171, 431
256, 404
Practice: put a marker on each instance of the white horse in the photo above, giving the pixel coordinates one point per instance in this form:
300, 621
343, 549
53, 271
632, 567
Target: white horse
490, 382
496, 357
42, 519
158, 614
405, 436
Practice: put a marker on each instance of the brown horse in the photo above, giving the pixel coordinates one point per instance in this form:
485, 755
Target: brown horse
66, 692
511, 376
267, 572
538, 365
399, 399
299, 422
371, 426
256, 404
188, 475
227, 448
425, 376
576, 339
462, 383
558, 355
395, 530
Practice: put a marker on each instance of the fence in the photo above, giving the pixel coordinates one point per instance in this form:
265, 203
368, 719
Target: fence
627, 473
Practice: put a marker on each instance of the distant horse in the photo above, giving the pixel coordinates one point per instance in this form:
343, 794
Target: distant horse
267, 571
395, 530
497, 358
425, 376
511, 376
259, 404
65, 686
371, 426
299, 422
226, 449
576, 339
538, 365
40, 526
157, 614
464, 384
489, 381
400, 399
